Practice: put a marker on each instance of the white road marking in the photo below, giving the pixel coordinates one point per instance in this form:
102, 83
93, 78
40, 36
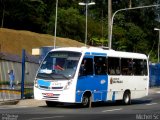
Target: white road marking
46, 118
112, 110
152, 104
158, 92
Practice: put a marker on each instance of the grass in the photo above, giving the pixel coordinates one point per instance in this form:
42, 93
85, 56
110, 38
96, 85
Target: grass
4, 82
13, 41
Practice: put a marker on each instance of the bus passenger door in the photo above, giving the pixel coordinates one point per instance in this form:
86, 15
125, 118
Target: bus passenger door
84, 82
100, 78
92, 80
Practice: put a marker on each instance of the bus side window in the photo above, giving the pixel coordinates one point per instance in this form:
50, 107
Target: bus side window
112, 71
118, 71
138, 67
114, 66
86, 67
100, 65
145, 67
127, 66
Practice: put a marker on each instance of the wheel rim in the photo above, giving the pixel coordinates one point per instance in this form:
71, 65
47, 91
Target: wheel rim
126, 99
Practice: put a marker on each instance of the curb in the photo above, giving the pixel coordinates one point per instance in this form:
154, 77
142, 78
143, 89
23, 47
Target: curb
9, 102
31, 102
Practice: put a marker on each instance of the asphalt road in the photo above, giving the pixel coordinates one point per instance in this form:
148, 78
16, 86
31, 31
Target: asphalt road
147, 108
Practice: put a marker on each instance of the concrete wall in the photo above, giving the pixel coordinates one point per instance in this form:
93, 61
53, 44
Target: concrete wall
30, 71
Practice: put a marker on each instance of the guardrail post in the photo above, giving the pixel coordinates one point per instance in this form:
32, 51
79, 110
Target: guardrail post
23, 74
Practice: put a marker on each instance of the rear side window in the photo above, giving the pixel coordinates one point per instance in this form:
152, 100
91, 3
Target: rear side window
140, 67
145, 70
127, 66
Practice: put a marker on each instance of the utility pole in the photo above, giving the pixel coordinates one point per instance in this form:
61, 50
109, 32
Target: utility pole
3, 12
130, 3
125, 9
55, 27
102, 29
109, 20
158, 42
86, 4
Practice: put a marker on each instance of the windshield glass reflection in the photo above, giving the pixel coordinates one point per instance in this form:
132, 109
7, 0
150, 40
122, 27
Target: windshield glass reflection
59, 65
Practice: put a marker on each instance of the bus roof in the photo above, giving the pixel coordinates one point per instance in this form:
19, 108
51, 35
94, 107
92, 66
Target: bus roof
110, 53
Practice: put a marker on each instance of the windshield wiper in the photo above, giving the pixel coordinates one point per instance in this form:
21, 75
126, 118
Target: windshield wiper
65, 76
62, 75
45, 75
41, 75
51, 76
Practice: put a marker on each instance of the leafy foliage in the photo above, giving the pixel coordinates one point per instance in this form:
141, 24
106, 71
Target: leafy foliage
133, 30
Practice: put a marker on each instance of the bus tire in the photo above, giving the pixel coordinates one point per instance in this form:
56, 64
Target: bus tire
86, 100
127, 98
51, 103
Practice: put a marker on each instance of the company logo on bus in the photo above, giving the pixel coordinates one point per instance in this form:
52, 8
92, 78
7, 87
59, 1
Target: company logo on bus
103, 81
56, 84
111, 81
115, 80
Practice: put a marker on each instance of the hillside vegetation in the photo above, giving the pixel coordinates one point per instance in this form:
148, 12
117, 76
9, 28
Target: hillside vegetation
133, 30
13, 41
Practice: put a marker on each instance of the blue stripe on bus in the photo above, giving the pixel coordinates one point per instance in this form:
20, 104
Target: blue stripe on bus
99, 54
96, 54
97, 85
43, 83
87, 53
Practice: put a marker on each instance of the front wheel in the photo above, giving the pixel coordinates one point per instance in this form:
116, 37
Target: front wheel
86, 100
127, 98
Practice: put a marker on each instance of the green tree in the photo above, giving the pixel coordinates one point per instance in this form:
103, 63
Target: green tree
133, 30
24, 14
70, 23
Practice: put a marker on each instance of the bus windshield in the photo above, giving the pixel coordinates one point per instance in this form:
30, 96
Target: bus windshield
59, 65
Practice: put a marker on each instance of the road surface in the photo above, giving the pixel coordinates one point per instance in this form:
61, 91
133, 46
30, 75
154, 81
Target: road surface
147, 108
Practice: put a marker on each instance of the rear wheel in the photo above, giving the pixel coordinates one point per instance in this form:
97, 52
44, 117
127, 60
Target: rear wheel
51, 103
127, 98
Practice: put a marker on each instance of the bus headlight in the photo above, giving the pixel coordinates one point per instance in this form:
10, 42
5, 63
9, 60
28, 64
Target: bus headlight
35, 83
67, 85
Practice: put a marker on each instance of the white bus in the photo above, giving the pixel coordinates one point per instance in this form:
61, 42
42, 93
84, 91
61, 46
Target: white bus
85, 75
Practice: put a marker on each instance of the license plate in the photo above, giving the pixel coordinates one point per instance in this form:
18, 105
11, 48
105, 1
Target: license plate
48, 94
